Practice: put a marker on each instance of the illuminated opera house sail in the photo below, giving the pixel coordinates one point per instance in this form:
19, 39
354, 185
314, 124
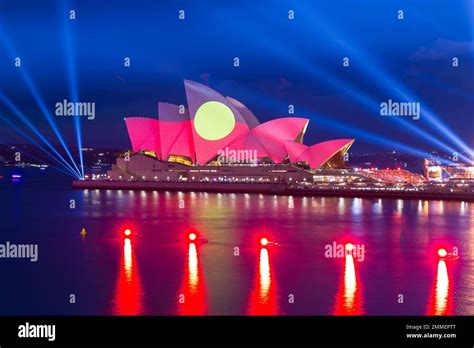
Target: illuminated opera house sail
214, 130
218, 139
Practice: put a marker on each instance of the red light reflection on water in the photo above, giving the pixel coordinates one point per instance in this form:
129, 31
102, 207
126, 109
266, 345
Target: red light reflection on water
441, 298
129, 293
349, 296
192, 295
263, 297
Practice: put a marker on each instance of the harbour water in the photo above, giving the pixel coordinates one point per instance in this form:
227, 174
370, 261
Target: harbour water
158, 271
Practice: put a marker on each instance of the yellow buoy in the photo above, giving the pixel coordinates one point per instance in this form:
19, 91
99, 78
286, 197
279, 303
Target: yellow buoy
83, 232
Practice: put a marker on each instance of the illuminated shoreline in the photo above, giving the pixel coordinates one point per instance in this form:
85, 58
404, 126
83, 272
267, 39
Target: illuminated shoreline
276, 189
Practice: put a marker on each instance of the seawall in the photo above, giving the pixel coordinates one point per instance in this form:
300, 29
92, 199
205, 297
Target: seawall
266, 188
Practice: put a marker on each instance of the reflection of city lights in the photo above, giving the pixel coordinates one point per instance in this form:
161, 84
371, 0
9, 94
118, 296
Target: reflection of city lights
193, 267
349, 297
127, 259
193, 288
128, 294
442, 289
377, 207
357, 206
440, 207
440, 303
463, 207
350, 283
399, 205
265, 279
423, 208
263, 297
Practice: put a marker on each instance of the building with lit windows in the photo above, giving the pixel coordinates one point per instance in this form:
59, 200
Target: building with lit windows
456, 172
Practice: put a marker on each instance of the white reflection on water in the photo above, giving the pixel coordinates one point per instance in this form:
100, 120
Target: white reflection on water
127, 259
442, 289
341, 205
357, 206
291, 202
437, 206
264, 273
399, 205
463, 207
193, 267
350, 282
304, 202
263, 296
377, 207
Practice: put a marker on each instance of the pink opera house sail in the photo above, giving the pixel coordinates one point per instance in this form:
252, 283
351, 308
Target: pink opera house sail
214, 123
144, 133
329, 153
248, 115
176, 137
268, 139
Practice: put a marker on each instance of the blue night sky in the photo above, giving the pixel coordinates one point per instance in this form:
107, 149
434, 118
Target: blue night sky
282, 62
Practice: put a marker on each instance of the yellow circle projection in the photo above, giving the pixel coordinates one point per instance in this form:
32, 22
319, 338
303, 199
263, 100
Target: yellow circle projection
214, 120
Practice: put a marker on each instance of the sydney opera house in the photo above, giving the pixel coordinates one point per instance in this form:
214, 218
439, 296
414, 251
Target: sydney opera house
217, 138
